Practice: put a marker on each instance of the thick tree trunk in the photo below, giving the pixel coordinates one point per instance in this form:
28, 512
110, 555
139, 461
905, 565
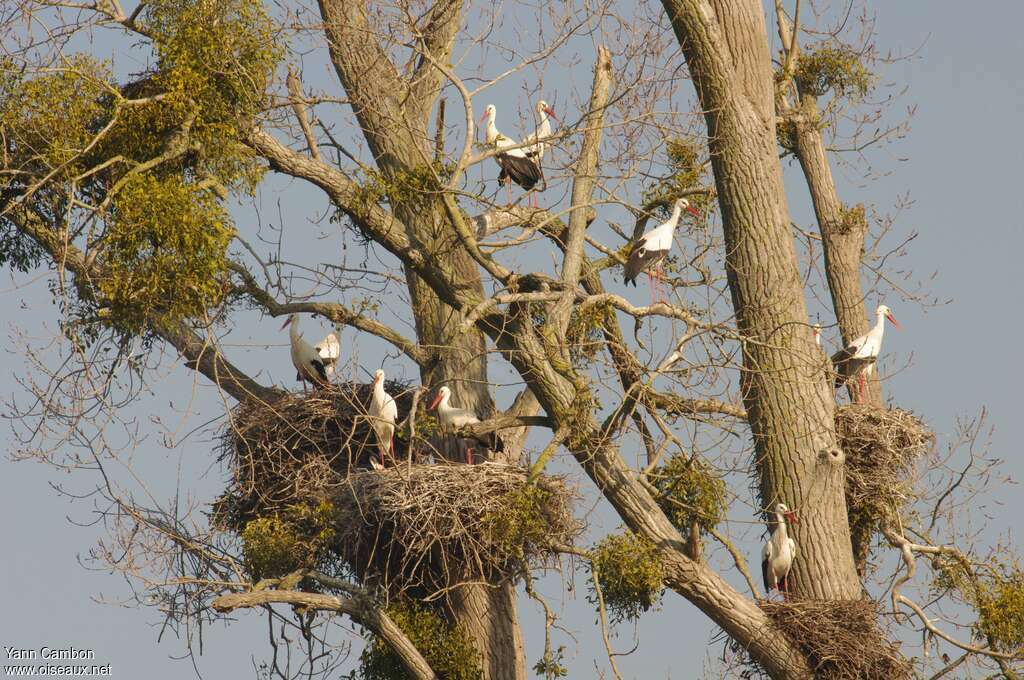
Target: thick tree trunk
789, 403
394, 115
496, 634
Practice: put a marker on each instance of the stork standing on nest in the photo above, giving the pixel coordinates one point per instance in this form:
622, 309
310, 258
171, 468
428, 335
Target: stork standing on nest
536, 152
305, 358
329, 350
453, 418
650, 250
778, 553
384, 413
515, 165
858, 359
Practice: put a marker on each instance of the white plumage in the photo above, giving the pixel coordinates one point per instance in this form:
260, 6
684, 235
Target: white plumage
858, 358
650, 249
452, 417
383, 414
305, 358
516, 165
329, 350
778, 552
495, 138
543, 131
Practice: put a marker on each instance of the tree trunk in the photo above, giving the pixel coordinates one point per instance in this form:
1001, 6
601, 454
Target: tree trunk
394, 115
491, 612
788, 400
842, 235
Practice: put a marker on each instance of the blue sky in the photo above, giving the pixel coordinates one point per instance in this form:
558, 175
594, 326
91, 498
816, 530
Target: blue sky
960, 166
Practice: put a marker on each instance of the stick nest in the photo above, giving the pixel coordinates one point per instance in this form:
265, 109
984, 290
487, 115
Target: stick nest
841, 638
881, 447
423, 529
296, 449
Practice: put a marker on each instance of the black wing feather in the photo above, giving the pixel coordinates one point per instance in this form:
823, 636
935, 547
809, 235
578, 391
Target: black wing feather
764, 576
524, 171
848, 365
319, 367
640, 260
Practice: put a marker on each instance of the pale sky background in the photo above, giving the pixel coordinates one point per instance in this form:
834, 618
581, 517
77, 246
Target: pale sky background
962, 163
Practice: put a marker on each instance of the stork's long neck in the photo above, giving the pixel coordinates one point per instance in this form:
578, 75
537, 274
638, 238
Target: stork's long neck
378, 391
879, 330
673, 220
661, 235
781, 533
544, 126
293, 331
492, 129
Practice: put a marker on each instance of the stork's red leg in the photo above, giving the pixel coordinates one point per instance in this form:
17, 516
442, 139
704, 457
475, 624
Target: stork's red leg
863, 387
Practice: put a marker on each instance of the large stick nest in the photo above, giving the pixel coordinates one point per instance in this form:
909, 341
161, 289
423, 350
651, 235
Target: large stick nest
413, 527
426, 528
882, 447
297, 448
841, 638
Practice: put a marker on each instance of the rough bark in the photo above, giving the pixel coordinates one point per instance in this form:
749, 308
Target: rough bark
788, 401
492, 608
394, 114
842, 230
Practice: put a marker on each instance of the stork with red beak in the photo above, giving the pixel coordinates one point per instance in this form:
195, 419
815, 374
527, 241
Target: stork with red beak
454, 418
383, 414
778, 552
650, 250
305, 358
858, 359
515, 165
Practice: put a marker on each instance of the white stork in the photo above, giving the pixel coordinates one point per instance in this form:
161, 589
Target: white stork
454, 418
384, 413
649, 250
858, 359
778, 552
515, 165
329, 350
536, 152
305, 358
816, 329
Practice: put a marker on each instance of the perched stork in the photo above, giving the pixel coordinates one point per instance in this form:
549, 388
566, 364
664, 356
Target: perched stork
515, 165
305, 358
649, 250
857, 360
816, 329
329, 350
384, 413
544, 115
536, 152
455, 418
778, 552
